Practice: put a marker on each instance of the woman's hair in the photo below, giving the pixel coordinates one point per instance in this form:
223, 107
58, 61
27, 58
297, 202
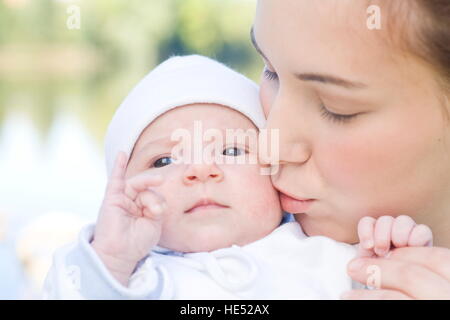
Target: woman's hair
422, 28
433, 35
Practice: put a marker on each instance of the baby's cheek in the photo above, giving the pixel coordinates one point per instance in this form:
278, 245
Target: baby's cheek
258, 191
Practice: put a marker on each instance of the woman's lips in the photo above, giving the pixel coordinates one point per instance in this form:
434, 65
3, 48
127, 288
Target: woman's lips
293, 205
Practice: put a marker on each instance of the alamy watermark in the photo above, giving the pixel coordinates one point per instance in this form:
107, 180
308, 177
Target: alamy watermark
206, 147
374, 278
73, 20
373, 21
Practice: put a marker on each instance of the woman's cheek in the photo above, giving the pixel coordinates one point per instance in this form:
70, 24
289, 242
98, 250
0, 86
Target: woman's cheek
350, 164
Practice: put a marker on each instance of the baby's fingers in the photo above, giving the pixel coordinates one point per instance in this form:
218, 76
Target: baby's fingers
401, 230
152, 205
382, 235
420, 236
124, 203
366, 234
116, 183
141, 183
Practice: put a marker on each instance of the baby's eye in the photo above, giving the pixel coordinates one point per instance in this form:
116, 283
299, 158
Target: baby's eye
161, 162
233, 151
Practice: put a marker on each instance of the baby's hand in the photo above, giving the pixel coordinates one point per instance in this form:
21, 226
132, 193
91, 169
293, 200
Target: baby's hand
378, 236
129, 222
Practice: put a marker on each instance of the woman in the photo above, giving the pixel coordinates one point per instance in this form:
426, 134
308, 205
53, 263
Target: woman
364, 125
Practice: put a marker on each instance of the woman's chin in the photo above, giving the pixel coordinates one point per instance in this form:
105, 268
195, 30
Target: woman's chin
314, 227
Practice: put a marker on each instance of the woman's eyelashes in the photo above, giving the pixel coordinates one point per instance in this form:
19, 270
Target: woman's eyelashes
270, 75
335, 117
325, 113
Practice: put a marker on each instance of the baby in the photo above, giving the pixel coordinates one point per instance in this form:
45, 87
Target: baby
171, 227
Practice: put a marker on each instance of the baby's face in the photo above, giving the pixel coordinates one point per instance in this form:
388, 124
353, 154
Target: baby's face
247, 206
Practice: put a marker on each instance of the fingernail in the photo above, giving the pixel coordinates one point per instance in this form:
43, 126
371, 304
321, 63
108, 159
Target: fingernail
381, 252
356, 265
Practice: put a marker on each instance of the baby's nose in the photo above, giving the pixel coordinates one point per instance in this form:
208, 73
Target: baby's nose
202, 173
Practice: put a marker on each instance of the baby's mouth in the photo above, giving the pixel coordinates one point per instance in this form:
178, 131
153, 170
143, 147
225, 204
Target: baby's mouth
204, 204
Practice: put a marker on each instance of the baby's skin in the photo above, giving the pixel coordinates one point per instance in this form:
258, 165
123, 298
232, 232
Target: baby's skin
150, 201
378, 236
187, 207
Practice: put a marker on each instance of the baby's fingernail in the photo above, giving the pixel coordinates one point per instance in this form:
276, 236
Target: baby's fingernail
368, 244
381, 252
356, 265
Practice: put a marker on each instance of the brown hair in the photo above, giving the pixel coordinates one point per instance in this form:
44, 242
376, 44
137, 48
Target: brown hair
434, 36
422, 28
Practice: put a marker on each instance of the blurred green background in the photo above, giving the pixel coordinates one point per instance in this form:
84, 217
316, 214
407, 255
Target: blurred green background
45, 66
59, 88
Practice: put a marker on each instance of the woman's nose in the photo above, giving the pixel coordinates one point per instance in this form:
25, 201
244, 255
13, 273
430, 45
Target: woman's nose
202, 173
292, 144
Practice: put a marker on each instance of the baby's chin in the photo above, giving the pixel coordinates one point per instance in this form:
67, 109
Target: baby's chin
199, 244
213, 239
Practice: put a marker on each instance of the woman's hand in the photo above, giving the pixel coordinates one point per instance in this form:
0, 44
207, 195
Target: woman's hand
129, 222
407, 273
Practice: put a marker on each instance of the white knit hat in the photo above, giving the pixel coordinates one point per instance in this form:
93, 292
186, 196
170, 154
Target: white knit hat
179, 81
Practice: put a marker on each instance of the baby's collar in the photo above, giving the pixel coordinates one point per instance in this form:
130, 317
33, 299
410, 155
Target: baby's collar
287, 217
165, 251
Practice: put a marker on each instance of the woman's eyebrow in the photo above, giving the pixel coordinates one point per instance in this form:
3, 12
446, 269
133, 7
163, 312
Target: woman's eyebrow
329, 79
322, 78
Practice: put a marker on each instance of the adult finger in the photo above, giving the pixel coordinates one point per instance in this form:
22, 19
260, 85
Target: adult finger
401, 230
141, 182
382, 235
366, 236
410, 279
374, 295
116, 183
435, 259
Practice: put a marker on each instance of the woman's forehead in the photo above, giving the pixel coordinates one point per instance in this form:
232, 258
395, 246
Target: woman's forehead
305, 39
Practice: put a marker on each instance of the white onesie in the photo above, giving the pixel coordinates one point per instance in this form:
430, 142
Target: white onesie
286, 264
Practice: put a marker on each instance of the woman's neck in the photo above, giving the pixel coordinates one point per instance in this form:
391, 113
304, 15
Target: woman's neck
441, 233
437, 217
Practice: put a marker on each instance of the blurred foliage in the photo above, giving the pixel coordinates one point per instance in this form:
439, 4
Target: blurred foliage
47, 68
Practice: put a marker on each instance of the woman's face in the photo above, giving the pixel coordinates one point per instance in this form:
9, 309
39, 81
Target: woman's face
362, 126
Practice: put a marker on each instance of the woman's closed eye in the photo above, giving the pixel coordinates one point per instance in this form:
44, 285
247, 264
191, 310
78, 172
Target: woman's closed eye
325, 112
336, 117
